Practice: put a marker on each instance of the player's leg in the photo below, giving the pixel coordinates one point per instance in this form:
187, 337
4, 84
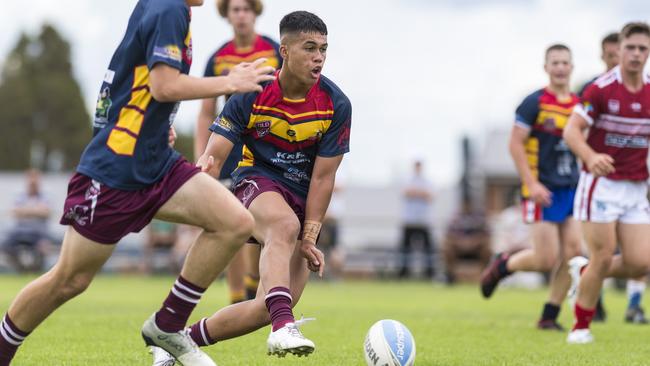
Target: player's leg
79, 261
601, 242
635, 252
235, 277
541, 258
570, 242
201, 201
252, 252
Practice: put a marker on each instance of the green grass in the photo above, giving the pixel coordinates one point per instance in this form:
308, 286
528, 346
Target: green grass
451, 326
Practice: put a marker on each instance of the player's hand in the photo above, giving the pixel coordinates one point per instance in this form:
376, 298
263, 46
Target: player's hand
600, 164
540, 194
247, 76
205, 162
315, 258
172, 136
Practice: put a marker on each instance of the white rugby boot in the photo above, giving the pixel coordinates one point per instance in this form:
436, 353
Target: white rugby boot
289, 339
179, 345
575, 267
580, 336
161, 357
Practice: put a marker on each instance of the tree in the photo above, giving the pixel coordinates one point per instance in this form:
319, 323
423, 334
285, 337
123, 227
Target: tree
42, 114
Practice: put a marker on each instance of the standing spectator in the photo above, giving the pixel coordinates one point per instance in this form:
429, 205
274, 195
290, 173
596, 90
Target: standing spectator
416, 221
28, 240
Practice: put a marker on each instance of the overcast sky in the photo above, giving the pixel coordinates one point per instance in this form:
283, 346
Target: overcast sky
419, 73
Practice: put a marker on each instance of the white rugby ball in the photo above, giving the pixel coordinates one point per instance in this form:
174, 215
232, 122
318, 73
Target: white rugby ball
389, 343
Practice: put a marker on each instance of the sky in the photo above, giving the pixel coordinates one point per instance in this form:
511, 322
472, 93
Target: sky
420, 74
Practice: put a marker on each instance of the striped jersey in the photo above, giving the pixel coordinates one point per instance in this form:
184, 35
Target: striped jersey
549, 157
129, 149
619, 123
282, 137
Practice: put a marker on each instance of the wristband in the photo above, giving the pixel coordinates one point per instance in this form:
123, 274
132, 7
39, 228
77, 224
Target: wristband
310, 230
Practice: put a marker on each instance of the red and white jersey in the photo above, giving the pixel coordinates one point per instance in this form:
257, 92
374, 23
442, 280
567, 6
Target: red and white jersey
620, 124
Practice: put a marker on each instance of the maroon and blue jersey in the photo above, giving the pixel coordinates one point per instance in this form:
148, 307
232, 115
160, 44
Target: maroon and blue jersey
549, 157
229, 56
129, 149
282, 137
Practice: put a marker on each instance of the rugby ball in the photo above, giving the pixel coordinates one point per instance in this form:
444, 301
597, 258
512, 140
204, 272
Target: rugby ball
389, 343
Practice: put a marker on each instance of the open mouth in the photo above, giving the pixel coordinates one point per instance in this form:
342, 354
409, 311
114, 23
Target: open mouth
315, 72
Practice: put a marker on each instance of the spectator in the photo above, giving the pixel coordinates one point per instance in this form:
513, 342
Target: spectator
330, 235
468, 238
27, 242
416, 222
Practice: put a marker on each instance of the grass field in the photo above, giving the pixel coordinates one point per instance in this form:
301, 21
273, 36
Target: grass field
451, 326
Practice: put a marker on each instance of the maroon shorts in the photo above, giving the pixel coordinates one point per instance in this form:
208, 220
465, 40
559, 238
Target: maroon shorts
106, 215
250, 187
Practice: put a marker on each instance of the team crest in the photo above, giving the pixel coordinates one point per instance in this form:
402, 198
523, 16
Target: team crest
263, 128
614, 106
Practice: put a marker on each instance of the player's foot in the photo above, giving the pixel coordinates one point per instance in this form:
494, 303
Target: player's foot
635, 316
575, 270
288, 339
180, 345
492, 275
550, 324
600, 315
580, 336
161, 357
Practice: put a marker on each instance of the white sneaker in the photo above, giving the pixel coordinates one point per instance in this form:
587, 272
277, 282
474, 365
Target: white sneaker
575, 267
580, 336
179, 345
161, 357
288, 339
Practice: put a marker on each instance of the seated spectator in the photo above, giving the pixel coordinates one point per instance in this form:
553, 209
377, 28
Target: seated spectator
467, 239
161, 236
28, 241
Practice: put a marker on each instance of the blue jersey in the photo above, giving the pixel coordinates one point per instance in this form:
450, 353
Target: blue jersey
282, 137
549, 157
129, 149
227, 57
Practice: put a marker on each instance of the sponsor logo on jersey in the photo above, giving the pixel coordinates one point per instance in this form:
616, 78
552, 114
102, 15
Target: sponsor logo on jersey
102, 108
171, 52
614, 106
636, 107
224, 124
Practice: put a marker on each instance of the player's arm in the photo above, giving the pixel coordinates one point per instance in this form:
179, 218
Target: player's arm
168, 84
517, 146
598, 164
321, 187
216, 152
40, 210
202, 130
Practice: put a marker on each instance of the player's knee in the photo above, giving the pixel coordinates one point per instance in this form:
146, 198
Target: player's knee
287, 229
71, 285
244, 224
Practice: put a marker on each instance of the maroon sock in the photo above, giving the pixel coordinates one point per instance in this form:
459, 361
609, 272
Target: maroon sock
278, 302
178, 306
200, 335
10, 339
583, 317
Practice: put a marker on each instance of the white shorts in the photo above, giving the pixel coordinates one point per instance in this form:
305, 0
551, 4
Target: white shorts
603, 200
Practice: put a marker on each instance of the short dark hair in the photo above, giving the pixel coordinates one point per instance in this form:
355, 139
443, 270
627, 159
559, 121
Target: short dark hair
634, 28
302, 21
610, 38
556, 47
